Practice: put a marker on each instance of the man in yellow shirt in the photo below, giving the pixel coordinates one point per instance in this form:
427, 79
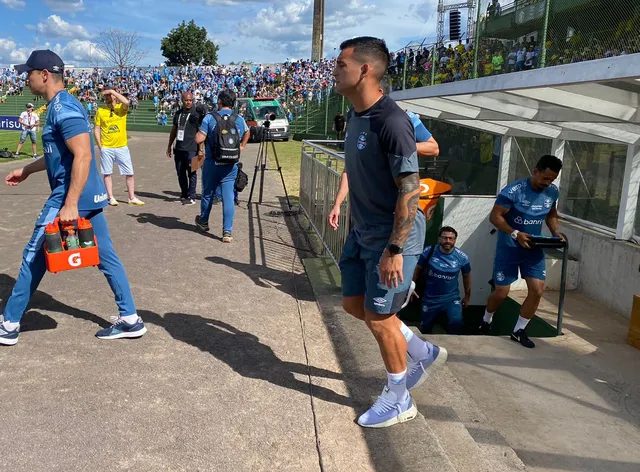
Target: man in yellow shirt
110, 132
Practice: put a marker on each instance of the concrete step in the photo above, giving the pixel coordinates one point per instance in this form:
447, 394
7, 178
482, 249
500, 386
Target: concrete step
467, 437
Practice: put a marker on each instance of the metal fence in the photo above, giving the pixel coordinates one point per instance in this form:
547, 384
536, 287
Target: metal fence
511, 36
320, 170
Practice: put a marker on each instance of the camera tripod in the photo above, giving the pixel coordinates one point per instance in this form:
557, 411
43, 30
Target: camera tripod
262, 164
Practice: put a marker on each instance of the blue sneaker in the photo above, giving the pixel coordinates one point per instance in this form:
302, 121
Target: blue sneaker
418, 371
387, 411
122, 329
8, 338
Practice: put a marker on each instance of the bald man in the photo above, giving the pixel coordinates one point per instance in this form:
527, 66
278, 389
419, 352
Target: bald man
185, 126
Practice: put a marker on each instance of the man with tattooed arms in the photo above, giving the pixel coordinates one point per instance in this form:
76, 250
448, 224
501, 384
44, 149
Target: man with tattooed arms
387, 230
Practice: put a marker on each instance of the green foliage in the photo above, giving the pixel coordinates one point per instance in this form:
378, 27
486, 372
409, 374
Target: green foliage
188, 44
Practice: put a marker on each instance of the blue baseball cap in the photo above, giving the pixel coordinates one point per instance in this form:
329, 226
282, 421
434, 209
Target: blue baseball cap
41, 59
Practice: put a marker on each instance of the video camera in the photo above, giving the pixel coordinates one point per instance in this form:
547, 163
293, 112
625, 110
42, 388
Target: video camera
268, 118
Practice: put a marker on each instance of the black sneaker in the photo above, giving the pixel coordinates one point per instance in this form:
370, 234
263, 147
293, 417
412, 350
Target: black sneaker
484, 328
204, 227
521, 337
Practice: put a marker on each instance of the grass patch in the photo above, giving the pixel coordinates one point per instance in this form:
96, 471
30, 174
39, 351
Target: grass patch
289, 158
9, 140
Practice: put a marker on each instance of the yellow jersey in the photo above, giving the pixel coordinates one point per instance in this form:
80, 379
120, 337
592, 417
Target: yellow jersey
113, 126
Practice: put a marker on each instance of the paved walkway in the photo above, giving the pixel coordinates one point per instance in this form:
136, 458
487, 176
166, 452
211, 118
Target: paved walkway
247, 368
223, 379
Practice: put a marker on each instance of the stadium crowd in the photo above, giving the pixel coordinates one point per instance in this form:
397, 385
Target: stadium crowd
292, 82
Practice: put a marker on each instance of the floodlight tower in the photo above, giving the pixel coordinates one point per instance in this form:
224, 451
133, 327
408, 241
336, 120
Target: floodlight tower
317, 37
470, 5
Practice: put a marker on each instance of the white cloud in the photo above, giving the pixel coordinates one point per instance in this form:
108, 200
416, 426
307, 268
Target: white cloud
80, 52
65, 5
56, 27
280, 29
10, 54
14, 4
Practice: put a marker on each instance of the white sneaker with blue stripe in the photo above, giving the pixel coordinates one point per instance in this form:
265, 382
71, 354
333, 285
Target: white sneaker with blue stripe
122, 329
7, 337
418, 371
387, 411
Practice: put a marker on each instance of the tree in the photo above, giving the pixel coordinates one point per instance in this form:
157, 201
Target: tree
120, 48
188, 44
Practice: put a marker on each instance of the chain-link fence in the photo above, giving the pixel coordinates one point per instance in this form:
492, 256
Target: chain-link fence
529, 34
511, 36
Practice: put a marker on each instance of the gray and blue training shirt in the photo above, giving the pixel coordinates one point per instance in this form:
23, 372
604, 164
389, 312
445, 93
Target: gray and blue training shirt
380, 146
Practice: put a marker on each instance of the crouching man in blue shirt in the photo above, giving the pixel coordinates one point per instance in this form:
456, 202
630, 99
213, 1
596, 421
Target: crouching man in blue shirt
77, 190
438, 268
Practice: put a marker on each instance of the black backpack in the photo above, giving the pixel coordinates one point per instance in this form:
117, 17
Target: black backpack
6, 154
226, 142
242, 179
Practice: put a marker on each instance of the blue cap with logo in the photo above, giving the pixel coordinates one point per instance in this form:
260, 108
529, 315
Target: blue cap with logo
42, 59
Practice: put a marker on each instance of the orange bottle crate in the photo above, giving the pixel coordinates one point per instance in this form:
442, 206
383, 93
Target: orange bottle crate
430, 191
70, 259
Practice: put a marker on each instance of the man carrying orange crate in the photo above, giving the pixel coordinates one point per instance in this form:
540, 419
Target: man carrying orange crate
76, 191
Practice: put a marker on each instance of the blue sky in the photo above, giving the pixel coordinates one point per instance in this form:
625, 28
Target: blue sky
250, 30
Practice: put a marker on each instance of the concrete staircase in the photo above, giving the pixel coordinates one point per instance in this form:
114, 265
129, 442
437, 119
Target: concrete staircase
451, 433
464, 433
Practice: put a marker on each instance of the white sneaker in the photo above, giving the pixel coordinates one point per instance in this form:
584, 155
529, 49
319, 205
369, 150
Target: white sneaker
387, 411
418, 371
113, 202
136, 201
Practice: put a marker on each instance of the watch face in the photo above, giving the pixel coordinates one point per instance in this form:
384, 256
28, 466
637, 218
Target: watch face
394, 249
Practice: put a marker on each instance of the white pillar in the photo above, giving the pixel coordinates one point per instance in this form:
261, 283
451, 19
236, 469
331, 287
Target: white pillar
505, 162
629, 197
557, 149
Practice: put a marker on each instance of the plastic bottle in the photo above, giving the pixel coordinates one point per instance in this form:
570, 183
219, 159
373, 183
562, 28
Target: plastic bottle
52, 238
71, 239
85, 233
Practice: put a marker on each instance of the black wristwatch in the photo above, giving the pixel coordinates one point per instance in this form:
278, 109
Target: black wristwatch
394, 249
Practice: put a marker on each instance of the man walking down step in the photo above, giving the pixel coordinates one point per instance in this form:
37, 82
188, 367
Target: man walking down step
520, 209
387, 230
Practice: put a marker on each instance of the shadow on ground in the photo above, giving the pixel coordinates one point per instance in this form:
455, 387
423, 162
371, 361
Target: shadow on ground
244, 353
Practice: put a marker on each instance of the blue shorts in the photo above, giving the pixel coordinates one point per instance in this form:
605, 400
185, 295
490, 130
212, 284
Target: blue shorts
451, 310
360, 276
509, 259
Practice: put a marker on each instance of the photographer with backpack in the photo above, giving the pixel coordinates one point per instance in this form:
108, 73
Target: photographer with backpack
225, 134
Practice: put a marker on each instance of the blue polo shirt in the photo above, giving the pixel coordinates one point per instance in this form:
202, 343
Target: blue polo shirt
209, 125
528, 208
441, 275
421, 131
67, 118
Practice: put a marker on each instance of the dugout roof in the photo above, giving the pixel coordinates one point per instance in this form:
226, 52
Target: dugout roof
594, 101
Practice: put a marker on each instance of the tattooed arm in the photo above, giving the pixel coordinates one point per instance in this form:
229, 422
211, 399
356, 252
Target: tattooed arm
406, 207
404, 218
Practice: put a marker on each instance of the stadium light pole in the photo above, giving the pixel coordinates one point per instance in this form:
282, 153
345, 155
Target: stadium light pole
318, 30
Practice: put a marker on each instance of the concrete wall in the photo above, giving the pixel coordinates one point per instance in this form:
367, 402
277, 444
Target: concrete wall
609, 269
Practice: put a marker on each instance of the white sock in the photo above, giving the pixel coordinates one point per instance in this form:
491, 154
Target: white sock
488, 317
416, 347
10, 326
521, 324
397, 383
130, 319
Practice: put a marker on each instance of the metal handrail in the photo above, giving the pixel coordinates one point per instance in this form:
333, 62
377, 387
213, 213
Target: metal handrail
319, 182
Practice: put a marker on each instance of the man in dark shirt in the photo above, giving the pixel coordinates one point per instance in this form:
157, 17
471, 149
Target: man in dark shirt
185, 126
387, 230
338, 125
